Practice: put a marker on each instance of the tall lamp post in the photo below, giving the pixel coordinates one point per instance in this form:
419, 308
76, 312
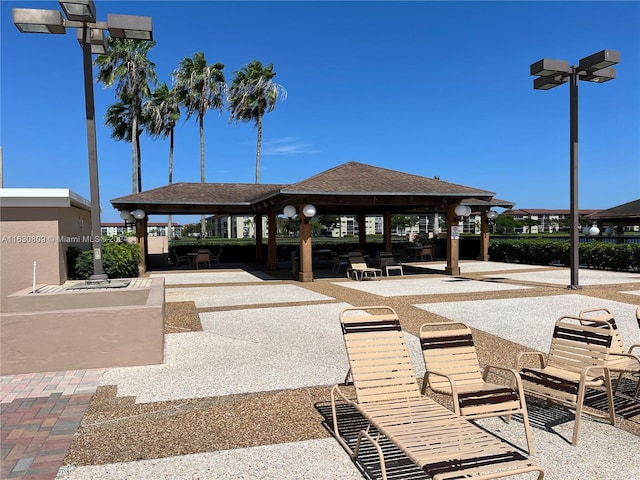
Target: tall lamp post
81, 15
551, 73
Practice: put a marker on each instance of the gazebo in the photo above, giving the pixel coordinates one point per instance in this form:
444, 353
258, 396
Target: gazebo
351, 188
618, 217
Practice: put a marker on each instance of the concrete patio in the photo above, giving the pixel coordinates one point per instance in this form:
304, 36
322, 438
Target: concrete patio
245, 396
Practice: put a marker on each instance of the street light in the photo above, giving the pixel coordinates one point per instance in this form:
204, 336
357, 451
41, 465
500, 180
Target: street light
81, 14
551, 73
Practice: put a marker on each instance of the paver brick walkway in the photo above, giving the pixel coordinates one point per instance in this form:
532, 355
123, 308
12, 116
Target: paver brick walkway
40, 414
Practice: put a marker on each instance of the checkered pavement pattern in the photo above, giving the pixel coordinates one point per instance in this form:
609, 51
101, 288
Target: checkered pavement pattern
40, 414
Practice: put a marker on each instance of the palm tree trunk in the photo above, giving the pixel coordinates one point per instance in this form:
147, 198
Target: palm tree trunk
139, 163
171, 158
169, 236
259, 122
203, 216
134, 156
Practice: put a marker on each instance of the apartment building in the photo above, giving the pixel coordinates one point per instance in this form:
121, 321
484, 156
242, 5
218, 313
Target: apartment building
154, 229
547, 220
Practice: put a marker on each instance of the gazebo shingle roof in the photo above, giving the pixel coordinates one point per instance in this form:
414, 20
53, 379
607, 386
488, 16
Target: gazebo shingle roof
354, 178
351, 187
629, 211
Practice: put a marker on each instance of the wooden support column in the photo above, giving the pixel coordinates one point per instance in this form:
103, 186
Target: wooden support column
387, 232
259, 254
484, 235
272, 256
453, 242
306, 251
362, 231
141, 238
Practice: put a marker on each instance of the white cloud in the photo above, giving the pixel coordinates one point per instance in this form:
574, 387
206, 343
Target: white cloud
287, 146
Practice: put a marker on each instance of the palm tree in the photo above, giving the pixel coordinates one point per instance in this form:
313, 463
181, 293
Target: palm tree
253, 93
200, 88
126, 65
118, 117
161, 114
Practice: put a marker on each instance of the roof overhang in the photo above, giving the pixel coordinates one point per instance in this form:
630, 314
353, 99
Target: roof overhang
351, 188
42, 198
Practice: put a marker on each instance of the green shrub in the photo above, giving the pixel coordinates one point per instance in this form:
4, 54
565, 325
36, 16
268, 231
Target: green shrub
600, 255
120, 260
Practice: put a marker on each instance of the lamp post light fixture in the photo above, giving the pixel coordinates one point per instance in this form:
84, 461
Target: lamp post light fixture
462, 210
81, 15
289, 211
551, 73
309, 211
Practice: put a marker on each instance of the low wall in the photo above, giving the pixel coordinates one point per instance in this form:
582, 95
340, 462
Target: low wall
114, 331
25, 301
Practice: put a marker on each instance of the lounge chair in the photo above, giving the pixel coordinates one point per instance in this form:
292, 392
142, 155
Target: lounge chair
358, 269
621, 360
389, 264
441, 443
452, 368
577, 360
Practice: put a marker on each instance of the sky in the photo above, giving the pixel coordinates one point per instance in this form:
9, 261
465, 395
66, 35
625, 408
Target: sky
423, 87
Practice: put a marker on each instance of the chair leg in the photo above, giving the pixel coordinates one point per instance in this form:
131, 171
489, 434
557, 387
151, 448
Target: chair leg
612, 408
615, 388
527, 427
576, 424
525, 417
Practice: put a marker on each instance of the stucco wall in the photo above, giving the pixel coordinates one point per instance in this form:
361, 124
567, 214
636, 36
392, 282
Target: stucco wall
126, 330
40, 235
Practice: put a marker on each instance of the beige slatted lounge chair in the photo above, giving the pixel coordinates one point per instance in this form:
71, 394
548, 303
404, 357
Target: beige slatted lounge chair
577, 360
389, 264
621, 360
358, 269
452, 368
441, 443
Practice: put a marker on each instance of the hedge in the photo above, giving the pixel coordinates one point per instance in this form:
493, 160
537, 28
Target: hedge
599, 255
120, 260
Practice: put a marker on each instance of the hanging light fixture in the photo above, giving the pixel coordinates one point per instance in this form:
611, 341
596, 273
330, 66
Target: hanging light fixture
462, 210
492, 214
139, 214
594, 231
289, 211
309, 211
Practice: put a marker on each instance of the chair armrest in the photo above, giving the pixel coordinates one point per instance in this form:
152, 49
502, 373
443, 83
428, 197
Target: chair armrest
452, 382
586, 370
513, 371
627, 355
536, 354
